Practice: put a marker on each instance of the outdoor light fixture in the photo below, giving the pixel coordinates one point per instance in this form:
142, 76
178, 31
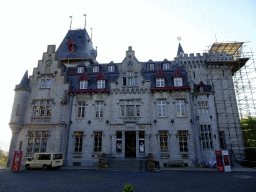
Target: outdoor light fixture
191, 121
210, 117
172, 121
155, 121
89, 122
107, 122
197, 118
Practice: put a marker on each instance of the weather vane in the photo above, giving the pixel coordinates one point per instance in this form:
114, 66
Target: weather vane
179, 38
70, 21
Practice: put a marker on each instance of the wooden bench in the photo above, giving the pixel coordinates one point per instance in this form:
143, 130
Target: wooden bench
176, 163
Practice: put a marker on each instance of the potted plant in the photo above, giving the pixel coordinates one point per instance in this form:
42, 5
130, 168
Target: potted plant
150, 154
128, 188
105, 154
92, 155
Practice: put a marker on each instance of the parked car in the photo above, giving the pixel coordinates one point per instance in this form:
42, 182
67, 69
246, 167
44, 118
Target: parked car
45, 161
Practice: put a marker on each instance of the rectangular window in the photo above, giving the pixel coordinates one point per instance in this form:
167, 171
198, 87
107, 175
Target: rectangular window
111, 68
202, 107
37, 141
178, 82
130, 108
150, 66
101, 84
166, 66
129, 74
46, 81
99, 109
206, 137
142, 141
42, 108
124, 81
80, 69
81, 109
97, 141
83, 84
161, 108
129, 81
79, 141
95, 69
222, 139
163, 141
136, 81
180, 108
183, 141
160, 82
119, 142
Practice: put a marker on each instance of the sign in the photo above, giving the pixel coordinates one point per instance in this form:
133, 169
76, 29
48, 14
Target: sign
16, 161
226, 161
219, 160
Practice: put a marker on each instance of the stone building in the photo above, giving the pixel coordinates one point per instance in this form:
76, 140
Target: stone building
174, 109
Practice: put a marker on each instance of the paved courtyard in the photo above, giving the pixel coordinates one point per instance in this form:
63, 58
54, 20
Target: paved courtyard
91, 180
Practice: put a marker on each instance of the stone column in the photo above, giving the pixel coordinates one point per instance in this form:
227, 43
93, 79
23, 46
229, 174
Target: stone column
113, 148
15, 131
147, 144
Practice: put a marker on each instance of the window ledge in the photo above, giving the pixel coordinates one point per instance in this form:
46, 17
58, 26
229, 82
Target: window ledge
181, 116
142, 154
45, 88
162, 117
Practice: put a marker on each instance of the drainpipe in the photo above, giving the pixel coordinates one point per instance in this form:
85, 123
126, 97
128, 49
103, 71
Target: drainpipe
69, 125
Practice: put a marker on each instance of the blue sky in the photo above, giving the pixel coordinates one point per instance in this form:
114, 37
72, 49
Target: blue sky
150, 27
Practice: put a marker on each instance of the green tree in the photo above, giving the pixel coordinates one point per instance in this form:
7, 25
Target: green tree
248, 126
3, 158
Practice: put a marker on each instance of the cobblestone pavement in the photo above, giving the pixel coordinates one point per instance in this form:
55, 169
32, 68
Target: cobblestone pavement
92, 180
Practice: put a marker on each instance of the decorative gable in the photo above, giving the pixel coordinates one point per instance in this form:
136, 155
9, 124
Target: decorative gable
71, 46
201, 84
83, 77
160, 74
101, 76
177, 73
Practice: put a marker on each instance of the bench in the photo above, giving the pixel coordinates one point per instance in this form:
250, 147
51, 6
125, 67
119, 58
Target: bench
176, 163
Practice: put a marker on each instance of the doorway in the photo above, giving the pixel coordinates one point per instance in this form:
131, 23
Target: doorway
130, 144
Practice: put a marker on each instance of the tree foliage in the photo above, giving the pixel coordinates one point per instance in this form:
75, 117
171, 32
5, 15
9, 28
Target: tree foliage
248, 126
3, 158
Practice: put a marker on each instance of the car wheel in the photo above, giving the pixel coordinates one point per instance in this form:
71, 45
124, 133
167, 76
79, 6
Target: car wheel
44, 167
28, 167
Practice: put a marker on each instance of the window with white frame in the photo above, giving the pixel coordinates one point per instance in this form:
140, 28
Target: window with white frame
206, 137
130, 108
42, 108
46, 81
111, 68
136, 83
161, 108
83, 84
183, 141
202, 107
163, 141
159, 82
178, 82
78, 141
101, 84
129, 74
166, 66
80, 69
129, 81
37, 141
180, 105
97, 141
119, 142
99, 109
150, 66
81, 109
96, 69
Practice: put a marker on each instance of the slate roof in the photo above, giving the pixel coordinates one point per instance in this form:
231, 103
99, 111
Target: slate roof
24, 83
83, 44
150, 74
180, 49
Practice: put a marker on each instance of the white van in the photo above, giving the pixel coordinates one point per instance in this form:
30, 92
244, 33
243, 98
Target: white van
45, 160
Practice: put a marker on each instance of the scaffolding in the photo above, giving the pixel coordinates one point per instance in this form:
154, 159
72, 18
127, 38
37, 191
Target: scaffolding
234, 92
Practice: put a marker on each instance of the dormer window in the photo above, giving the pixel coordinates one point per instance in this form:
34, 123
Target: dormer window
150, 66
159, 82
111, 68
101, 84
178, 82
166, 66
96, 69
80, 69
83, 84
201, 89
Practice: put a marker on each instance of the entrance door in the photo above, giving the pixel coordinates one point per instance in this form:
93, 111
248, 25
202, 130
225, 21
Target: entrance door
130, 144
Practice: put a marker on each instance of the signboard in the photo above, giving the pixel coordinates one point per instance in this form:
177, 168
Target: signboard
226, 161
16, 161
219, 160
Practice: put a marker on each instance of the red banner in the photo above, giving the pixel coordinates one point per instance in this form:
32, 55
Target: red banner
16, 161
